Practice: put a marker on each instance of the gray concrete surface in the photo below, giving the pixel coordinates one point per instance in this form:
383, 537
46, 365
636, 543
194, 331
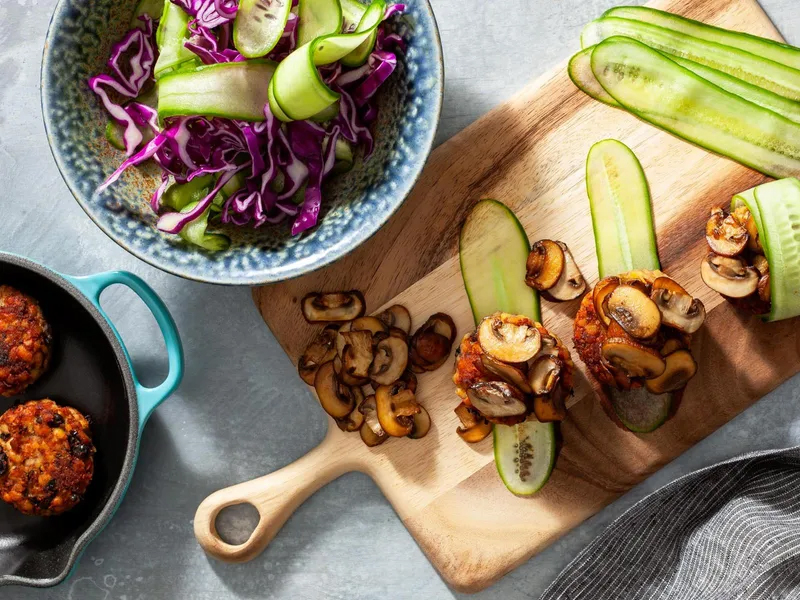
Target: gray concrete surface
241, 410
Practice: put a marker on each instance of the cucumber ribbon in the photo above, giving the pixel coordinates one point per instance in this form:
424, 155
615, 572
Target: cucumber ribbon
775, 206
297, 91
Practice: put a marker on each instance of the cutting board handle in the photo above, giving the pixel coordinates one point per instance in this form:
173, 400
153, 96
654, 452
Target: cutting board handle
275, 496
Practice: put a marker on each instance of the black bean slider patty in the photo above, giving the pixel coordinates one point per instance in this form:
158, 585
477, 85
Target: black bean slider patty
46, 457
24, 341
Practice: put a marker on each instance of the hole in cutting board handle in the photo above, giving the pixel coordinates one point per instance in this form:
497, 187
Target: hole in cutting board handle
236, 523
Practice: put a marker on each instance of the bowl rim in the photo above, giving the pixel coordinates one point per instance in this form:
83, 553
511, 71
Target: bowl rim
120, 486
257, 277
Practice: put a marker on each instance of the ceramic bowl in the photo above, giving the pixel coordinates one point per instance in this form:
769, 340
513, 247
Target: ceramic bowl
356, 204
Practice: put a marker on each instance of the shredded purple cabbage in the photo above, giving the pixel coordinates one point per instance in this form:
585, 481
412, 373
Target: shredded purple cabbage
284, 164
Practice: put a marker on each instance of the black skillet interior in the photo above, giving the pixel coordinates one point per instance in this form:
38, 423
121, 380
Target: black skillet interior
84, 373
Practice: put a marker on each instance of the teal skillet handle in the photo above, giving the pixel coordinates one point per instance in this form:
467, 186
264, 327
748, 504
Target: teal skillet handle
148, 398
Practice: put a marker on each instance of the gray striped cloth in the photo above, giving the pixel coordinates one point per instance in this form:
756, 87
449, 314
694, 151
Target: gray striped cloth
727, 532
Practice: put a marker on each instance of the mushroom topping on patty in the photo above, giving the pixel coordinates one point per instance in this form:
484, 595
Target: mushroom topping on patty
474, 427
507, 372
725, 235
730, 277
333, 307
634, 311
680, 368
678, 308
509, 338
633, 358
497, 399
544, 374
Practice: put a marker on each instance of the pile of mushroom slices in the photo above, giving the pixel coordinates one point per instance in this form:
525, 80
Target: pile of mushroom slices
736, 266
649, 320
552, 270
354, 351
508, 370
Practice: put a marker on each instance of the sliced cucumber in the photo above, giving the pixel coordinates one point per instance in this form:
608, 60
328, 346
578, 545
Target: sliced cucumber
661, 92
581, 74
758, 71
234, 90
195, 232
580, 71
779, 209
639, 410
352, 12
769, 49
360, 55
259, 25
298, 90
524, 455
115, 135
171, 35
622, 217
180, 195
152, 8
317, 18
493, 250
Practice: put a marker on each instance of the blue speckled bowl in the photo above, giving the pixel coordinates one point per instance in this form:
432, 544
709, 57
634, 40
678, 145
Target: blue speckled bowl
356, 204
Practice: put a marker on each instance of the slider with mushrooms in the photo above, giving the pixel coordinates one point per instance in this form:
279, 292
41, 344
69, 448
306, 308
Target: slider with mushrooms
508, 370
634, 332
353, 351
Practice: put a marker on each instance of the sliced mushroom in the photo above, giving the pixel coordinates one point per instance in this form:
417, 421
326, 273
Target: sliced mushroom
442, 324
635, 360
345, 377
550, 346
390, 361
355, 419
396, 316
369, 409
333, 307
678, 308
571, 284
422, 424
496, 399
761, 264
544, 266
336, 398
429, 350
341, 342
634, 311
508, 338
398, 333
725, 235
748, 221
508, 373
545, 374
474, 427
730, 277
551, 407
371, 324
409, 380
681, 367
601, 293
357, 354
395, 409
671, 345
320, 351
764, 291
370, 438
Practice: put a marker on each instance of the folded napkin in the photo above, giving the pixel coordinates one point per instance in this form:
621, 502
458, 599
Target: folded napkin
727, 532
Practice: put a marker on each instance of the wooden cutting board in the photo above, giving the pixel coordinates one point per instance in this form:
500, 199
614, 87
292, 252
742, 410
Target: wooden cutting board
530, 153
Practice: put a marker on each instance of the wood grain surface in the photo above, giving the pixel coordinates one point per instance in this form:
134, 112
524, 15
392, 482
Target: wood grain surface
530, 153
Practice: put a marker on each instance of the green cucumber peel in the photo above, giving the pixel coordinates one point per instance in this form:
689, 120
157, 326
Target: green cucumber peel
152, 8
298, 90
234, 90
171, 35
622, 217
179, 195
658, 90
766, 48
581, 74
352, 12
639, 410
761, 72
779, 213
317, 18
493, 251
360, 55
259, 25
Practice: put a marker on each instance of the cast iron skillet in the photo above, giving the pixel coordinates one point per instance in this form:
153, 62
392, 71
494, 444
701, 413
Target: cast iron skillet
90, 369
